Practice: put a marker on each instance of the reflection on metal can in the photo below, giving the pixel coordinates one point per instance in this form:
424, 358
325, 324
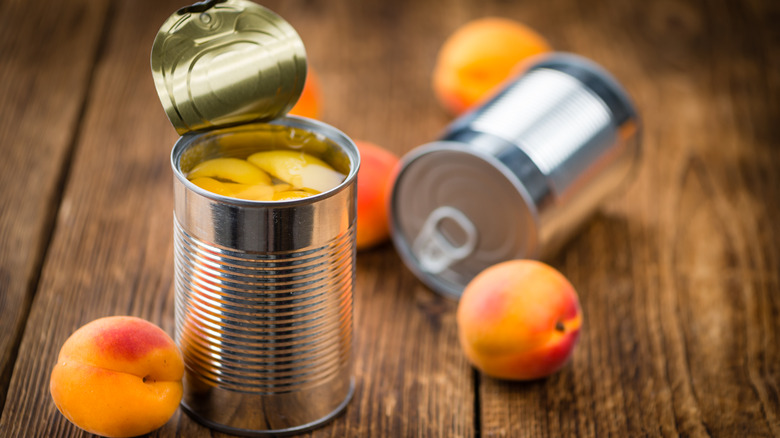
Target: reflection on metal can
264, 289
516, 176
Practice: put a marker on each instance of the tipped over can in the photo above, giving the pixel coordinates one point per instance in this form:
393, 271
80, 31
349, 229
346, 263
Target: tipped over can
263, 287
516, 176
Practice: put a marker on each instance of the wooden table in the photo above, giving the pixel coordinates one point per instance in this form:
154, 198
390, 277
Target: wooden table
678, 274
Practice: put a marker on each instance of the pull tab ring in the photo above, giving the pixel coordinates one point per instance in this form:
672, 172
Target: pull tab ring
434, 251
199, 7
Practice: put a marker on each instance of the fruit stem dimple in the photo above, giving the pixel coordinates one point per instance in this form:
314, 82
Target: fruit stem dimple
559, 326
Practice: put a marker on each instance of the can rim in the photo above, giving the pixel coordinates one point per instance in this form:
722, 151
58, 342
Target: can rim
402, 243
331, 133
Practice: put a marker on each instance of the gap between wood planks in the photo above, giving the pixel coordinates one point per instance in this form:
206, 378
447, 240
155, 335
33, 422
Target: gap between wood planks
50, 222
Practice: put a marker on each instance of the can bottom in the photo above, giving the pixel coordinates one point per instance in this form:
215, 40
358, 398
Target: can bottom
275, 432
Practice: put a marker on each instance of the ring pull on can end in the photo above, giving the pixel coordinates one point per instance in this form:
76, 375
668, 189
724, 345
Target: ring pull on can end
435, 251
199, 7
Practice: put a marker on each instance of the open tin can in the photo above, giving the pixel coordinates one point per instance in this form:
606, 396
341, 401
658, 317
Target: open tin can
514, 177
263, 288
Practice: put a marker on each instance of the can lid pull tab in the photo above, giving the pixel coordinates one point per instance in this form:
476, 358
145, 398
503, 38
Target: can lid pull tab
434, 250
199, 7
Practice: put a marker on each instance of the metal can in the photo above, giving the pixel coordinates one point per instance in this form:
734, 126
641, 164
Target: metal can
263, 289
515, 177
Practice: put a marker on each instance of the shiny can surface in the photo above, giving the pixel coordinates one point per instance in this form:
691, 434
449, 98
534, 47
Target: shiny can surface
264, 289
516, 176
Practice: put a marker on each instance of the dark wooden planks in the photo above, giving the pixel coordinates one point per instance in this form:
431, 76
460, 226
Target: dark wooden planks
111, 249
47, 53
678, 276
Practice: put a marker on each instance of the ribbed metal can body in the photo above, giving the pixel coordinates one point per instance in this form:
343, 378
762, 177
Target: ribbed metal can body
514, 177
264, 292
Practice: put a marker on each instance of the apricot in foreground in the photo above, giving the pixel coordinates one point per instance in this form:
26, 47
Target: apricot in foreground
118, 376
519, 320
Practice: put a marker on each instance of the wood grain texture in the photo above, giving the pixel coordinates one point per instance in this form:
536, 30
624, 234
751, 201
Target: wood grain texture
375, 59
678, 275
42, 89
111, 253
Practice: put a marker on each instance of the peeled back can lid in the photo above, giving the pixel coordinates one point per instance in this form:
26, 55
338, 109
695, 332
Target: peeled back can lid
226, 62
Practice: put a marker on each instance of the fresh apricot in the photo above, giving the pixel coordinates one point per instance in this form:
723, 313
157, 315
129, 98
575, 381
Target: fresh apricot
118, 376
519, 320
308, 104
479, 56
377, 167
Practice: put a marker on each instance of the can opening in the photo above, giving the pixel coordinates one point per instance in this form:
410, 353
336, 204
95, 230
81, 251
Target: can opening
266, 162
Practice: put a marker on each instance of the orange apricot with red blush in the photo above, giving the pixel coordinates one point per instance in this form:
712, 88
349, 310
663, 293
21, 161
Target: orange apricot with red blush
118, 376
519, 320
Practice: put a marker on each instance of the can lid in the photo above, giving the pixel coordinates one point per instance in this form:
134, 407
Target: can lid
456, 211
226, 62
